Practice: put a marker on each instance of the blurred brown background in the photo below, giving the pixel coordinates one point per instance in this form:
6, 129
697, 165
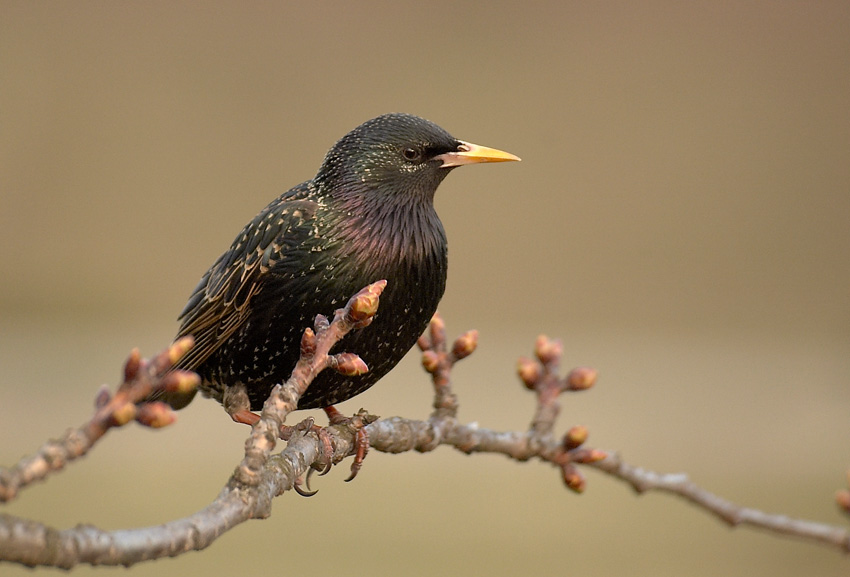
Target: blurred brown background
681, 219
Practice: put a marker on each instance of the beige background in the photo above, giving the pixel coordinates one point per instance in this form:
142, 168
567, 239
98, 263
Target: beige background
680, 219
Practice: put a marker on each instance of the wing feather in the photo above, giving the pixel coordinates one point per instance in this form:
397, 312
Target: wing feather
219, 305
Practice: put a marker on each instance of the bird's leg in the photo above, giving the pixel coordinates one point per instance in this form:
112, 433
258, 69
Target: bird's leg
245, 417
237, 404
361, 437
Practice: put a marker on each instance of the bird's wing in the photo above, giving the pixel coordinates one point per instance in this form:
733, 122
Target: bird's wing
219, 305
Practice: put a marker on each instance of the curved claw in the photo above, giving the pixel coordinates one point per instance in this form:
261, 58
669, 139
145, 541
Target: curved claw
302, 492
327, 450
361, 448
305, 425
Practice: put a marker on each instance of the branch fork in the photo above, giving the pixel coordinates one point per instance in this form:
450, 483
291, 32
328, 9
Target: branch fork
315, 346
141, 379
262, 475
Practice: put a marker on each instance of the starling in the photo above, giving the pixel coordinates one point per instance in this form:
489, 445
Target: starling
367, 215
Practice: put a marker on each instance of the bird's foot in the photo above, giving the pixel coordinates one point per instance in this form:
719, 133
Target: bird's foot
327, 449
357, 424
249, 418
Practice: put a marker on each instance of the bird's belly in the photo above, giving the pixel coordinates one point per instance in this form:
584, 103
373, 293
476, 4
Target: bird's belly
263, 352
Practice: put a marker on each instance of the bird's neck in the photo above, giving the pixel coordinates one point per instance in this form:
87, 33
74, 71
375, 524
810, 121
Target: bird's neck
392, 229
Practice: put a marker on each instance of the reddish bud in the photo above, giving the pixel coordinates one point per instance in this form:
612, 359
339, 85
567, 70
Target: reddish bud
596, 455
181, 381
364, 304
587, 455
103, 397
581, 378
465, 344
430, 361
424, 343
179, 348
529, 372
131, 367
547, 350
575, 437
348, 364
438, 330
308, 343
124, 414
155, 415
574, 479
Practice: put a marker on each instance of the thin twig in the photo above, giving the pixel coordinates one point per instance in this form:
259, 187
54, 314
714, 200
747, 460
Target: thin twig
141, 379
261, 476
250, 490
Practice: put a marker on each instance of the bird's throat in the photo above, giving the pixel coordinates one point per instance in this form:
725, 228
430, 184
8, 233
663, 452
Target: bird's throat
387, 234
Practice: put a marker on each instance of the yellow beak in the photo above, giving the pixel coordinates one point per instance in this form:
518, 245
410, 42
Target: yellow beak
469, 153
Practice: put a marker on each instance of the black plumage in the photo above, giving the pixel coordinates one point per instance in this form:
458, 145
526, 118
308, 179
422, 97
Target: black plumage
367, 215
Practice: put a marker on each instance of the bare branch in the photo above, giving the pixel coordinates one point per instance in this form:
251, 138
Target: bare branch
249, 492
141, 378
261, 476
734, 515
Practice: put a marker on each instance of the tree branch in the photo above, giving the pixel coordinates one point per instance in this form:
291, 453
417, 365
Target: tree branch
261, 476
141, 379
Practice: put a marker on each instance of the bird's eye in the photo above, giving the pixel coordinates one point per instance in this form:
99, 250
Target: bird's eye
411, 154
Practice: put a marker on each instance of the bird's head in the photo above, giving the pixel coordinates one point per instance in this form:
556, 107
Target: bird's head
399, 154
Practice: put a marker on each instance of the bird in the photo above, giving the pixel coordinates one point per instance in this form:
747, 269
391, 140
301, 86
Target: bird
368, 214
